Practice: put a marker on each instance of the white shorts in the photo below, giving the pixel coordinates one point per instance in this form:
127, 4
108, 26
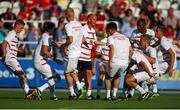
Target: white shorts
116, 69
141, 76
45, 70
163, 68
70, 65
105, 65
13, 64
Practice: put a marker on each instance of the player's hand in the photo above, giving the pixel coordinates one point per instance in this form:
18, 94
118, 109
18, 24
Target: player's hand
20, 50
170, 72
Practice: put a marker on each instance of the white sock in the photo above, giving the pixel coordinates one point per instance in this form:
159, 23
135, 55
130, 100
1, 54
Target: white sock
115, 91
52, 91
25, 87
78, 84
43, 87
108, 93
146, 87
99, 90
132, 91
71, 90
88, 92
154, 87
140, 89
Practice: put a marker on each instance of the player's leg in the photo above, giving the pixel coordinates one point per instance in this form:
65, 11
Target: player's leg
89, 84
52, 93
116, 80
100, 80
108, 87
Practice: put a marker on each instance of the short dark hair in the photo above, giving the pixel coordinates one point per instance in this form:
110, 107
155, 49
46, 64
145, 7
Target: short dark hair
141, 20
111, 25
19, 21
48, 26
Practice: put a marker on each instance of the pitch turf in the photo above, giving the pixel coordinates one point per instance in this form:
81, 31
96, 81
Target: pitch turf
16, 100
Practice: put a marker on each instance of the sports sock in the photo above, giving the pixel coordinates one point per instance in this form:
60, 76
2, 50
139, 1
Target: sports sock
78, 84
71, 90
132, 91
25, 87
146, 87
140, 89
115, 91
43, 87
52, 91
154, 87
108, 93
88, 92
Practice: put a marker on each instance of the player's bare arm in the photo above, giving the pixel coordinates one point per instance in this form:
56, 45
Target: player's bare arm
4, 45
111, 54
172, 60
145, 67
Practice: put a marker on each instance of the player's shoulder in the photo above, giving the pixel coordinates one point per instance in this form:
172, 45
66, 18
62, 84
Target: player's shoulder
11, 33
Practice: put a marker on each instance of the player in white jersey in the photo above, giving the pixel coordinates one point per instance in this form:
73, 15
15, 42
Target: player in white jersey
169, 54
119, 46
41, 55
103, 53
9, 55
73, 42
134, 78
141, 29
151, 55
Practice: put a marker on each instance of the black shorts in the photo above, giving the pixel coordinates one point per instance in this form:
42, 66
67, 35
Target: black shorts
84, 65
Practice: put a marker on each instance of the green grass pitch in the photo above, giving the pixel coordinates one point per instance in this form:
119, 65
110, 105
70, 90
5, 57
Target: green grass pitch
16, 100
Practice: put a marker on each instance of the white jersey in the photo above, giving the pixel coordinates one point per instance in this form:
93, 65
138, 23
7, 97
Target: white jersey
121, 48
90, 36
104, 51
166, 44
12, 47
138, 57
73, 29
152, 52
44, 40
135, 37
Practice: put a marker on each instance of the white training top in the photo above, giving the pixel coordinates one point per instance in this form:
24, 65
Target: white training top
138, 57
12, 47
166, 44
90, 36
74, 29
104, 51
121, 48
135, 37
44, 40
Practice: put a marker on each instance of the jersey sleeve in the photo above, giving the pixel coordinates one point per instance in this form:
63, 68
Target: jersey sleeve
68, 30
153, 52
165, 44
45, 41
9, 37
110, 41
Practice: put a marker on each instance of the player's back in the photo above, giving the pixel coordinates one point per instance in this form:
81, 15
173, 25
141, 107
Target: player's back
74, 29
121, 48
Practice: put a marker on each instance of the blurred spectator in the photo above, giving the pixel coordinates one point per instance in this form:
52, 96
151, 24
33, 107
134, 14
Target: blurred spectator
45, 5
101, 17
55, 10
8, 15
123, 4
77, 6
115, 12
159, 18
129, 27
145, 3
63, 3
135, 9
144, 16
89, 5
83, 15
129, 16
32, 36
2, 29
25, 14
30, 4
150, 12
59, 36
178, 30
170, 33
171, 18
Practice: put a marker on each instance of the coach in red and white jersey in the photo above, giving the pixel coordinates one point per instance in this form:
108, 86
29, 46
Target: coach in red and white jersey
119, 46
84, 63
9, 55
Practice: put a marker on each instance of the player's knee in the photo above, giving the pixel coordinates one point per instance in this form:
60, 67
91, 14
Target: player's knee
129, 80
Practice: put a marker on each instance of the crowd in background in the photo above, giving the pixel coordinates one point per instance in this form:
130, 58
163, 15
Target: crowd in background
124, 12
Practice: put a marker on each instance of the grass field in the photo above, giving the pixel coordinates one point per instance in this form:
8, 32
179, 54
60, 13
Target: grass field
16, 100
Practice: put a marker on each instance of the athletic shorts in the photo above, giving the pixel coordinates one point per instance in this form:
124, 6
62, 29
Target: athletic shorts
70, 65
13, 64
105, 65
163, 68
45, 70
116, 69
141, 76
84, 65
